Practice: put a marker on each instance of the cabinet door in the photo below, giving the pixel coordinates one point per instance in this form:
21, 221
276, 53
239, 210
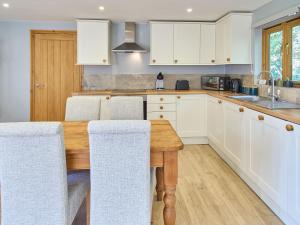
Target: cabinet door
208, 44
215, 122
293, 140
234, 133
239, 38
105, 108
93, 42
191, 115
220, 42
162, 44
267, 156
186, 43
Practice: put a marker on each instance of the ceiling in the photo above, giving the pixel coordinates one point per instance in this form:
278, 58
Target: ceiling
120, 10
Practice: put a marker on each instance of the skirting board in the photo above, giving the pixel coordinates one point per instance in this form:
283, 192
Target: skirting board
195, 140
259, 192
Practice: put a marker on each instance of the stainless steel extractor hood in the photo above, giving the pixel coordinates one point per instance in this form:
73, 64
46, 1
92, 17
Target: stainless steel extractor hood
129, 45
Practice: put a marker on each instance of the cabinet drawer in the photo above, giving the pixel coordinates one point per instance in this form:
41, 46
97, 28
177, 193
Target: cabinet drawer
161, 99
161, 107
161, 116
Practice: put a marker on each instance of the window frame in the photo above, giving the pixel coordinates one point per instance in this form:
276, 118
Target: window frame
286, 28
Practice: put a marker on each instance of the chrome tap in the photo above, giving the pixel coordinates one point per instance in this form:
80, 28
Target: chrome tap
271, 93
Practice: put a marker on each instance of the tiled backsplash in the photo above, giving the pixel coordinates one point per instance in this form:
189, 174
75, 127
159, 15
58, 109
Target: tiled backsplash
145, 81
288, 94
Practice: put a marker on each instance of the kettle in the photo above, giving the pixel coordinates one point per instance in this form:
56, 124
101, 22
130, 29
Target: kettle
235, 85
159, 84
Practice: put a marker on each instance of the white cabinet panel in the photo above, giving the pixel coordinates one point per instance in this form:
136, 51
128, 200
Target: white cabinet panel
267, 155
105, 108
220, 42
162, 116
208, 44
233, 33
234, 133
186, 43
168, 107
191, 116
293, 140
93, 40
161, 99
162, 43
215, 119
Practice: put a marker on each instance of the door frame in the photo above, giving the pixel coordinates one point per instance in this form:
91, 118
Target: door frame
32, 63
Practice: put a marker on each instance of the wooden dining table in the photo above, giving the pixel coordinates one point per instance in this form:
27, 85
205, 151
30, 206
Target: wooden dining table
165, 144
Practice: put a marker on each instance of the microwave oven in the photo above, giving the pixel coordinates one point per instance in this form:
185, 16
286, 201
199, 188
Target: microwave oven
216, 83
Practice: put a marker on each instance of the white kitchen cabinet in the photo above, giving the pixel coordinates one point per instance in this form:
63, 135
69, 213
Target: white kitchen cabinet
162, 107
292, 138
191, 116
266, 155
105, 108
215, 120
161, 43
186, 43
234, 133
220, 42
233, 39
208, 43
93, 42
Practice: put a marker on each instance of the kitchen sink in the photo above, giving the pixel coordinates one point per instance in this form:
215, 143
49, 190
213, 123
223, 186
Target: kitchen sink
266, 102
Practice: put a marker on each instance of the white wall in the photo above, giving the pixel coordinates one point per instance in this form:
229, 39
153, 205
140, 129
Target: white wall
15, 67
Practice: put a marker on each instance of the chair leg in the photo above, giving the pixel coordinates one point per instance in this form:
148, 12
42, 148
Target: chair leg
87, 203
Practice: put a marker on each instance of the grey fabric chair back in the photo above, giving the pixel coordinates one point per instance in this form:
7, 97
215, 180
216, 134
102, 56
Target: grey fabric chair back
127, 108
83, 108
120, 172
33, 174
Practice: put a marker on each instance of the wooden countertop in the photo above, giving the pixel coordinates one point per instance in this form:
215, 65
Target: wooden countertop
291, 115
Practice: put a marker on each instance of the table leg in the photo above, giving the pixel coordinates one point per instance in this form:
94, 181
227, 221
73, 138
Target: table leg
160, 183
170, 182
88, 202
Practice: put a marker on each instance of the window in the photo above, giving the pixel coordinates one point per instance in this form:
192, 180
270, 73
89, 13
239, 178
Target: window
281, 51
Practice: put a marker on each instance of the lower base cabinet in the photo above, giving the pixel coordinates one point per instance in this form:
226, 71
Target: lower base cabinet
234, 119
292, 138
215, 122
191, 116
263, 150
267, 157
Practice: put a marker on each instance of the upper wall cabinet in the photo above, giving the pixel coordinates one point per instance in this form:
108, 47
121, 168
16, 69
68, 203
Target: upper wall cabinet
186, 43
208, 43
233, 39
93, 40
228, 41
162, 43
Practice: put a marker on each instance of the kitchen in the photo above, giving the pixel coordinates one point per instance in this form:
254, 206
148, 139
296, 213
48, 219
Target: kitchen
223, 75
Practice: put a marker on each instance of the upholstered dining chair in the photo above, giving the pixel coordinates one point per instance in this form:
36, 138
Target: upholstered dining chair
35, 187
127, 108
120, 172
83, 108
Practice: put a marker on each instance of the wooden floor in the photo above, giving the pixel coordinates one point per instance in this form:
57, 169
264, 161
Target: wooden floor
210, 193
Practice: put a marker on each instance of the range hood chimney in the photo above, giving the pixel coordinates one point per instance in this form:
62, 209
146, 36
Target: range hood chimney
129, 45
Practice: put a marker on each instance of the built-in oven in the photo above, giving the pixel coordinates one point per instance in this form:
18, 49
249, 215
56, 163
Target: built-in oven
216, 83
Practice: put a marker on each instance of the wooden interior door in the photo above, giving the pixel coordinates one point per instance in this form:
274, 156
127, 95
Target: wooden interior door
54, 74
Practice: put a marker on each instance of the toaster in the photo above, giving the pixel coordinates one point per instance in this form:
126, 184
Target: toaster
182, 85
